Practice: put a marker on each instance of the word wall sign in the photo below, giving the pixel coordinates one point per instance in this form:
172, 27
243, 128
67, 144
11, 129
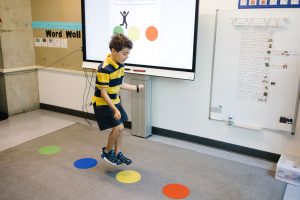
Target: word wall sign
57, 33
248, 4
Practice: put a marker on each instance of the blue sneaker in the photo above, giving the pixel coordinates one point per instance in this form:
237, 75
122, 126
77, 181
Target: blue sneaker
123, 159
110, 157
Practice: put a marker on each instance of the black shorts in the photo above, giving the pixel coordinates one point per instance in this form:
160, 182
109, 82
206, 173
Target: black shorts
105, 116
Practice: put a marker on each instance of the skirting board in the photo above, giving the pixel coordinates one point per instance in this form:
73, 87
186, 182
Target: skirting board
217, 144
178, 135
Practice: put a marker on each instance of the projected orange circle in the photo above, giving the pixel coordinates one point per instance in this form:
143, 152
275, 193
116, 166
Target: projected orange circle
151, 33
176, 191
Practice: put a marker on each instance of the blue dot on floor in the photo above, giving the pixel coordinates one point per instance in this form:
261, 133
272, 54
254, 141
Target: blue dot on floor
85, 163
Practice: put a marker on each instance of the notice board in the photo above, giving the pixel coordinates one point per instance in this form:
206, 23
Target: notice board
57, 33
256, 68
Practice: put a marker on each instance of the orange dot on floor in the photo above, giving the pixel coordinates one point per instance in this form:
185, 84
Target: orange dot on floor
176, 191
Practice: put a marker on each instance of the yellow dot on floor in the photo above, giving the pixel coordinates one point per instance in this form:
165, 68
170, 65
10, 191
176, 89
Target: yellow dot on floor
128, 176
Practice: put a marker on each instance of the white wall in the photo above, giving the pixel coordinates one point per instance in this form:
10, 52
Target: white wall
178, 105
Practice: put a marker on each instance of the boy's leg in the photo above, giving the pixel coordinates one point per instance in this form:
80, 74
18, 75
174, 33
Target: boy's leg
108, 152
118, 147
118, 143
113, 137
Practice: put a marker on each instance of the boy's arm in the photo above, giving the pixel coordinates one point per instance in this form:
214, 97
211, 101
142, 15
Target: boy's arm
104, 95
127, 86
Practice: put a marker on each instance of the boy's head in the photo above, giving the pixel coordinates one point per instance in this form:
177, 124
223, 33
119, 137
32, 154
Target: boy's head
119, 41
120, 47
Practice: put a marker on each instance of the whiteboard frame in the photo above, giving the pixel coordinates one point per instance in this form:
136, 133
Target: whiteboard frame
151, 70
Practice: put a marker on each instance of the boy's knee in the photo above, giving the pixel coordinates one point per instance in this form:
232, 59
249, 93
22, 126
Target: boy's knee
119, 128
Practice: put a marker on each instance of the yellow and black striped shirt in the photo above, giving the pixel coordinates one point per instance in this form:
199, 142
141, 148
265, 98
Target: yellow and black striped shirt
110, 76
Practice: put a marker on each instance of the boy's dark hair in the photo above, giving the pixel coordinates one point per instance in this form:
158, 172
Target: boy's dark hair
119, 41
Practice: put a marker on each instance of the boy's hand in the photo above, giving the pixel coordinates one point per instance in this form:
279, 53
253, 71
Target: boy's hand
141, 87
117, 114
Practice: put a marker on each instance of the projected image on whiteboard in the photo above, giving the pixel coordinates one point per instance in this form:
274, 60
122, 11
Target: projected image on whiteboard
163, 36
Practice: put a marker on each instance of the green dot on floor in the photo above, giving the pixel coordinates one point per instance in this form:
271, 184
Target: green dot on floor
48, 150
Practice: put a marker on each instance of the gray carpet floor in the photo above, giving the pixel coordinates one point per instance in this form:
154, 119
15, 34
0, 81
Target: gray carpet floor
25, 174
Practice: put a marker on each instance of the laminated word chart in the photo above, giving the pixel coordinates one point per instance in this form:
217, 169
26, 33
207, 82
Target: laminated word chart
248, 4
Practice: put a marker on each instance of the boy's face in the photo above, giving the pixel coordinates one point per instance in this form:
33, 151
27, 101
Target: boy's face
120, 56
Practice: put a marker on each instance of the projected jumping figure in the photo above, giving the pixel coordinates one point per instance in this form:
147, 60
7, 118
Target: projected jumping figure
124, 15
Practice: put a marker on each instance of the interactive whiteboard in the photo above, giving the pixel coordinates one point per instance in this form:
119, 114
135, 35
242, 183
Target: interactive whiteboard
163, 34
255, 78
